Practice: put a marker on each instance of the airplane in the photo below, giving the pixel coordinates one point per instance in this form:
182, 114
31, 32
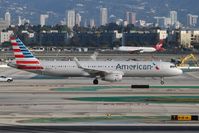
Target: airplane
111, 71
132, 49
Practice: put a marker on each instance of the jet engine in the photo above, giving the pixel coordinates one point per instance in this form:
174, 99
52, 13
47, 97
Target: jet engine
113, 77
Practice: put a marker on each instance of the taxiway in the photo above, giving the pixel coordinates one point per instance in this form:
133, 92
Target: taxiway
38, 100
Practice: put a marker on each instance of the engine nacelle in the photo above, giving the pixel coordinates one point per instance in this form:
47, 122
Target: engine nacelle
113, 77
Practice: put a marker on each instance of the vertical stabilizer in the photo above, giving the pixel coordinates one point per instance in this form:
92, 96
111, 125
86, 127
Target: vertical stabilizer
23, 57
159, 46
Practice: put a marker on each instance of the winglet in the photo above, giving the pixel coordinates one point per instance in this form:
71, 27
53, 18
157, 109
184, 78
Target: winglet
78, 64
94, 56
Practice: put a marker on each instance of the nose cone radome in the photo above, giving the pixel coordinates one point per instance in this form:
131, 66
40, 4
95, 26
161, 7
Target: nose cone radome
178, 71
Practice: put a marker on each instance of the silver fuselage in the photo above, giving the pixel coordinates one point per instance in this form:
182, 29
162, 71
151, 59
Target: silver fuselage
140, 49
128, 68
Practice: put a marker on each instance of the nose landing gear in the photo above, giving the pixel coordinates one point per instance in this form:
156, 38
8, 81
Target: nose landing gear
162, 81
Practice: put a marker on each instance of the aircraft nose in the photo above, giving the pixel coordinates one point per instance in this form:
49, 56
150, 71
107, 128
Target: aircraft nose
179, 72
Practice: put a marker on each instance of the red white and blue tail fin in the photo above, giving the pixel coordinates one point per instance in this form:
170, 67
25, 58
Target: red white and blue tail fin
24, 58
159, 47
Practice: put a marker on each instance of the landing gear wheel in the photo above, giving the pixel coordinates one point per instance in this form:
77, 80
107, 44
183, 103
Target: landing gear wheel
162, 82
9, 80
95, 81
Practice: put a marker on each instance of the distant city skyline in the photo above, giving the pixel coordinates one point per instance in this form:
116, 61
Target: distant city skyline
74, 18
88, 12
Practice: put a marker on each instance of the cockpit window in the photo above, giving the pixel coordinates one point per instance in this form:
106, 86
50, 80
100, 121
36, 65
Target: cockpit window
172, 66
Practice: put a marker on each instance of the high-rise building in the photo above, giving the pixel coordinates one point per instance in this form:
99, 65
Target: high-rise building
8, 18
71, 18
173, 17
163, 22
25, 21
92, 23
131, 17
192, 20
85, 23
43, 18
167, 22
22, 21
159, 21
19, 21
78, 19
103, 16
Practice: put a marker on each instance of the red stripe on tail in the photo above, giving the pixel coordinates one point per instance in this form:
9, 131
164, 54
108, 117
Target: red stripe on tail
16, 50
19, 56
27, 62
14, 44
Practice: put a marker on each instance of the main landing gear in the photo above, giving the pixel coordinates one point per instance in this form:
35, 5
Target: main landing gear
95, 81
162, 81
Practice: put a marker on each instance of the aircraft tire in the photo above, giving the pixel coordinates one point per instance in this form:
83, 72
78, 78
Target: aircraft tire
95, 81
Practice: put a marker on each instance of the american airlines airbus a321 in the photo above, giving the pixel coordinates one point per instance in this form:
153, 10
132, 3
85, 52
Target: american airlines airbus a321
132, 49
111, 71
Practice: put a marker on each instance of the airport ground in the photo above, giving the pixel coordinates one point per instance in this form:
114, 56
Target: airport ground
35, 100
31, 99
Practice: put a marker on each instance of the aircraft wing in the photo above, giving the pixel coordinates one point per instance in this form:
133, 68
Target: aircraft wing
95, 72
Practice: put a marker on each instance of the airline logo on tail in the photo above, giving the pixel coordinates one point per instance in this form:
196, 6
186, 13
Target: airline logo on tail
24, 58
159, 47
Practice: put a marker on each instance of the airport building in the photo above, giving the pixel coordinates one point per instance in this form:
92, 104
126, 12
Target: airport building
5, 36
185, 38
142, 38
104, 39
162, 34
188, 38
52, 38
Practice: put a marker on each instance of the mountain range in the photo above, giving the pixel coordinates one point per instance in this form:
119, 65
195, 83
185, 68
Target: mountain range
145, 9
